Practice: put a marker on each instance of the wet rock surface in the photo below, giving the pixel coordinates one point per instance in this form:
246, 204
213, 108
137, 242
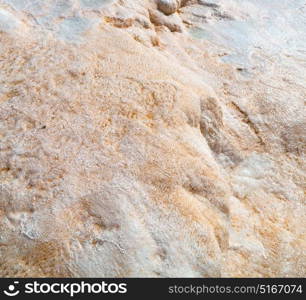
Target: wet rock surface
137, 143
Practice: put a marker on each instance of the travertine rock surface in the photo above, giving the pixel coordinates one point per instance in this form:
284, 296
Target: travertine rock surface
133, 143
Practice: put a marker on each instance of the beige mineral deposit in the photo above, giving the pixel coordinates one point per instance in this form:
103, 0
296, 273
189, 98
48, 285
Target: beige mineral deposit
152, 138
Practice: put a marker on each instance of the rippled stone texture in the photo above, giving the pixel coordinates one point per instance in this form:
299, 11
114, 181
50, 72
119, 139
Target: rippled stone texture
128, 148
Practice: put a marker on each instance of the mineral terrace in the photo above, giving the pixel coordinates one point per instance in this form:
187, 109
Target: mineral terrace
143, 138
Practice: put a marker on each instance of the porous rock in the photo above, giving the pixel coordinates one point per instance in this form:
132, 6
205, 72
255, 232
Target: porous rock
129, 150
